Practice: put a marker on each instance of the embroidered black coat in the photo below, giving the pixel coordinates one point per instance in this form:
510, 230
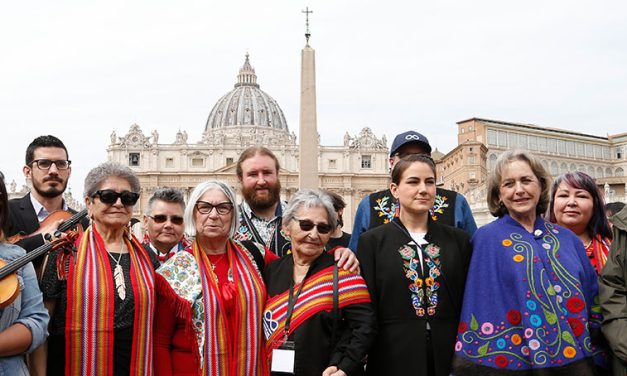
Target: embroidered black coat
400, 347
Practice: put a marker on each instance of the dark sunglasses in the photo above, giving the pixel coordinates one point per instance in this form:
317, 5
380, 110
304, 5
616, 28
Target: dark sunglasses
110, 197
307, 225
161, 218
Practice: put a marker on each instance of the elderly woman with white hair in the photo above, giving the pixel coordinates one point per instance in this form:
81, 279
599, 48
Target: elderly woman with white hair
318, 319
210, 297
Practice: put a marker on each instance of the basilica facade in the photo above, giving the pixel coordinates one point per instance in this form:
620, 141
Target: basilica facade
243, 117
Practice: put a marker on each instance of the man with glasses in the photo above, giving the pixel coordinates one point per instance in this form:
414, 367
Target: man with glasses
379, 208
164, 225
48, 168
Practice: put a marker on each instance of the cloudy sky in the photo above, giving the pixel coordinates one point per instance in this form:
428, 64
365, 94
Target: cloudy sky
81, 69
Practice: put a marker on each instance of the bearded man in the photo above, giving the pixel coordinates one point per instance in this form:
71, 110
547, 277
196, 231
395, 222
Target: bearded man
262, 208
48, 169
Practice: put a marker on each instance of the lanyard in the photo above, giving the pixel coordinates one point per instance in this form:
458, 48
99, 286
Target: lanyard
291, 302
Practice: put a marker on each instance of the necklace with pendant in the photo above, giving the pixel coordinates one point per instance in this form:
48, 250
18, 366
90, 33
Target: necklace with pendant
118, 277
216, 262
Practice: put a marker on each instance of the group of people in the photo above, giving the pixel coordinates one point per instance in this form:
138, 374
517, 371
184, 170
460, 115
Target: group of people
261, 287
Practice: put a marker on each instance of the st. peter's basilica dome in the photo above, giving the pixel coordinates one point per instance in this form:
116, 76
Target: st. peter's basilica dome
246, 105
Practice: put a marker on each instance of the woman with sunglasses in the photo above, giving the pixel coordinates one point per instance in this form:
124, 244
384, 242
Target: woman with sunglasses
101, 297
415, 269
210, 297
24, 321
318, 319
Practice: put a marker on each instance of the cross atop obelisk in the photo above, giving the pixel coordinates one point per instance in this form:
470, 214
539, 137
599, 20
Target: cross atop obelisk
307, 33
308, 137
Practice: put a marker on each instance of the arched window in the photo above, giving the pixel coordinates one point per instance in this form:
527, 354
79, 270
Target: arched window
599, 172
563, 168
554, 169
619, 172
491, 162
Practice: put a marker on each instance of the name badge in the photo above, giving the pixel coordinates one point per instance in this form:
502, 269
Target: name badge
283, 358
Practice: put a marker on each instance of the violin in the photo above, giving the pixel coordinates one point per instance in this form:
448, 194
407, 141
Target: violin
9, 284
52, 217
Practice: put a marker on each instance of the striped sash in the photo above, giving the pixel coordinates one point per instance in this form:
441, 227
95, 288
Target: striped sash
245, 354
90, 309
316, 296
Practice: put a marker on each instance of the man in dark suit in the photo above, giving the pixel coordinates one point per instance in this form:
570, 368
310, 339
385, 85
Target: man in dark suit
48, 169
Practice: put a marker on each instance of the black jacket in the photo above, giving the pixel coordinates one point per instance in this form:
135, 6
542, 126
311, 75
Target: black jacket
314, 351
23, 220
400, 347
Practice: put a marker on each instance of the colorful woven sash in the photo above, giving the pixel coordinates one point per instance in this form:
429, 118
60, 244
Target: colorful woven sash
597, 252
90, 309
245, 354
316, 296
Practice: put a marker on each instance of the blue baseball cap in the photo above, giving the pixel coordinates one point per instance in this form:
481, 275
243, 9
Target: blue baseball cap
409, 137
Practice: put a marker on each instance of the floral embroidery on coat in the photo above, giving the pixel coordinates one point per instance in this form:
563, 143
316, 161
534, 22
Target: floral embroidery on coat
438, 206
424, 291
386, 207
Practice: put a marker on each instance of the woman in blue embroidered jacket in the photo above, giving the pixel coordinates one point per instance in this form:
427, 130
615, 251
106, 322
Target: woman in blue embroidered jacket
531, 294
415, 268
24, 322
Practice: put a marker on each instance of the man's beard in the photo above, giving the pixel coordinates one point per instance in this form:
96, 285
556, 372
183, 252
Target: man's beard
51, 192
262, 203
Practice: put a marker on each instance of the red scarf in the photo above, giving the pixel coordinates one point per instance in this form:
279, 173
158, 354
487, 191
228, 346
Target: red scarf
597, 252
90, 309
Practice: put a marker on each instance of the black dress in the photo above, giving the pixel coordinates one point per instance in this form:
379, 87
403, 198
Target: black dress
314, 351
406, 318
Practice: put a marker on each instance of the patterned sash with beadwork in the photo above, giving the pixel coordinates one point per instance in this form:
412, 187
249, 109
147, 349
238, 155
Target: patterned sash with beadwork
316, 296
424, 289
90, 309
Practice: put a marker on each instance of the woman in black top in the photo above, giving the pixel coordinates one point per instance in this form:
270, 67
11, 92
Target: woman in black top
415, 269
318, 332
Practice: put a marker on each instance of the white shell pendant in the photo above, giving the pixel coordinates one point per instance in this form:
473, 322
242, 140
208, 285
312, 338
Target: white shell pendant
118, 277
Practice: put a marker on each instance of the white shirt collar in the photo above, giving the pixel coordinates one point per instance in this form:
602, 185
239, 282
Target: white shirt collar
40, 211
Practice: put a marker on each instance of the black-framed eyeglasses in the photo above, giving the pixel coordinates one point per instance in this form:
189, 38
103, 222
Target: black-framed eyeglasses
162, 218
308, 225
110, 197
222, 208
45, 164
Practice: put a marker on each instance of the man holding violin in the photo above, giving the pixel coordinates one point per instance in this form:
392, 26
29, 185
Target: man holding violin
48, 168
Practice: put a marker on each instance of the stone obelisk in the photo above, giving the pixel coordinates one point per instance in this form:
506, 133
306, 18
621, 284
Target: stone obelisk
308, 143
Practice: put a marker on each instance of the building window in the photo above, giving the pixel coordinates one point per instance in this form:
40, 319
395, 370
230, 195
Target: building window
522, 141
533, 143
552, 145
542, 144
619, 153
169, 162
491, 137
333, 163
229, 161
366, 161
133, 159
198, 162
471, 160
502, 138
471, 175
561, 147
580, 151
571, 147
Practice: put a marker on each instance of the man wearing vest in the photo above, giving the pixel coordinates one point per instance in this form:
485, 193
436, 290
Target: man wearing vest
379, 208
